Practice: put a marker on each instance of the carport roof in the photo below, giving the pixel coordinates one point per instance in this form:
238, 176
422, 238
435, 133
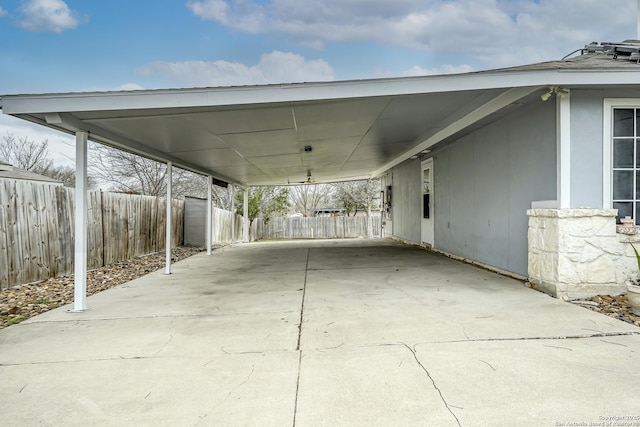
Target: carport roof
256, 135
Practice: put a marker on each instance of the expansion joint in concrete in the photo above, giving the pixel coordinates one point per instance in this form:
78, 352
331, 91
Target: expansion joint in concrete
304, 292
550, 338
435, 386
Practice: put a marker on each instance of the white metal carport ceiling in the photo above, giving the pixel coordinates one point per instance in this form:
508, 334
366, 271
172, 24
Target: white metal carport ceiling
256, 135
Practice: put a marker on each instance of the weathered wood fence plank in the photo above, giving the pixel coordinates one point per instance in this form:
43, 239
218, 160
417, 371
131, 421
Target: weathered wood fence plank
37, 229
338, 227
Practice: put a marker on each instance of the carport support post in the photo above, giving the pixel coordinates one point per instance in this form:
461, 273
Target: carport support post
245, 214
80, 249
369, 224
209, 189
167, 269
232, 189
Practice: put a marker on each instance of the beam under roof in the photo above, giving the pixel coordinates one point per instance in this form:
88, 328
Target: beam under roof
503, 100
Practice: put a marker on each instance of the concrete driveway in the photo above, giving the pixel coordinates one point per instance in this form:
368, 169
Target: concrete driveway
320, 333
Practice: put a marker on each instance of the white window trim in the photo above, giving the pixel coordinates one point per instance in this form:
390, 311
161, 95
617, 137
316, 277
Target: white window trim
607, 147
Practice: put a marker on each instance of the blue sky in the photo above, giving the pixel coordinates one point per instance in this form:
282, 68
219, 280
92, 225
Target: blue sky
87, 45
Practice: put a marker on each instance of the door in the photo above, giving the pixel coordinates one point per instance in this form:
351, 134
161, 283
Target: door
427, 203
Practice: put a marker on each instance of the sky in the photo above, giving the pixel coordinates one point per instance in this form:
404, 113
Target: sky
94, 45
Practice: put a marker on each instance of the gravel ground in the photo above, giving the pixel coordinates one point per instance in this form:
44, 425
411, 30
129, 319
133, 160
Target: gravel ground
20, 303
616, 307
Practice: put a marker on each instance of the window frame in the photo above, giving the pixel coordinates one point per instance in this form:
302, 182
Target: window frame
611, 104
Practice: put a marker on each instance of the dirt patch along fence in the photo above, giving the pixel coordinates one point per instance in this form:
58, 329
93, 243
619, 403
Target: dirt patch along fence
37, 229
337, 227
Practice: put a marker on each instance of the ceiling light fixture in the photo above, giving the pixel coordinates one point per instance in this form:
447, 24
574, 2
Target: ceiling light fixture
310, 180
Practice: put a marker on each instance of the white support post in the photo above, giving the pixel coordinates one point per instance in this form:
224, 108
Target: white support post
208, 238
232, 189
369, 223
638, 13
245, 213
563, 126
80, 249
167, 269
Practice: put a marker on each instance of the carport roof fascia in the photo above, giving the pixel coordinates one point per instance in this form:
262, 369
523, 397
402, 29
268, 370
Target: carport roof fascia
301, 92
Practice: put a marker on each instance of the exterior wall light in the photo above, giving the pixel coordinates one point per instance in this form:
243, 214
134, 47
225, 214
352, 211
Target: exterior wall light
554, 89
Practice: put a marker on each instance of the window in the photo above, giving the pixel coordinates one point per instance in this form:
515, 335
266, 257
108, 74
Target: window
625, 161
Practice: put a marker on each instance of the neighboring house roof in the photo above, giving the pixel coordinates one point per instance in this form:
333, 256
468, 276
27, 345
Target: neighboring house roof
8, 171
256, 135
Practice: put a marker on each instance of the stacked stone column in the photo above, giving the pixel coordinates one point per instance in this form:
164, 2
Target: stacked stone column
577, 253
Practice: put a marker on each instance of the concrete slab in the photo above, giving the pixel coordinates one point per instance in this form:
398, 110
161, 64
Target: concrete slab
372, 386
234, 390
558, 382
390, 335
135, 338
435, 304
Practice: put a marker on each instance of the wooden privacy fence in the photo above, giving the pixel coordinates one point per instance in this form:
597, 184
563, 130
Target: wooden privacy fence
37, 229
221, 226
315, 227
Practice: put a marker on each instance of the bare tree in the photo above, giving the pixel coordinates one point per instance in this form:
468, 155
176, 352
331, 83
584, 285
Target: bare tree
128, 172
307, 198
26, 154
220, 197
67, 175
356, 196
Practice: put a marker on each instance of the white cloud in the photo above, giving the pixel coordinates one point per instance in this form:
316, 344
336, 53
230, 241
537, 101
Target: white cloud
494, 32
274, 67
47, 15
130, 86
216, 10
443, 69
2, 12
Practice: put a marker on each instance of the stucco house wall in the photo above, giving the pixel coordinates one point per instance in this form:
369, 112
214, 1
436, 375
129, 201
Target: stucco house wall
407, 193
587, 118
483, 185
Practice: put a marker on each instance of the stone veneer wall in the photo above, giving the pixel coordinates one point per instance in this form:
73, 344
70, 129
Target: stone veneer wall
577, 253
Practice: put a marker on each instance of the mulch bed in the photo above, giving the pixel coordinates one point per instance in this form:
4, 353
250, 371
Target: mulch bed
617, 307
22, 302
